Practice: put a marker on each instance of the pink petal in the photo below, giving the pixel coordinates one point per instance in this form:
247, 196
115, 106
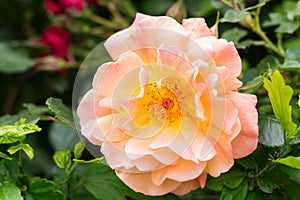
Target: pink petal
182, 171
200, 150
223, 160
186, 187
142, 182
116, 156
246, 142
175, 59
147, 163
122, 41
89, 111
109, 74
138, 147
155, 32
223, 53
196, 28
227, 55
115, 134
202, 179
229, 82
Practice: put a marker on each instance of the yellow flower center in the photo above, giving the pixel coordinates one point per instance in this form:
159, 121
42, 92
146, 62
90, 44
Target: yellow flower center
159, 104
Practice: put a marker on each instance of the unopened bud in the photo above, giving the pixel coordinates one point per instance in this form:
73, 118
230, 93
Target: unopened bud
215, 28
177, 11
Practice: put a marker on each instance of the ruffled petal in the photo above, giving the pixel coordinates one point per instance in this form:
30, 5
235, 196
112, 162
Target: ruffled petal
182, 171
89, 112
223, 160
186, 187
109, 74
246, 142
142, 182
196, 28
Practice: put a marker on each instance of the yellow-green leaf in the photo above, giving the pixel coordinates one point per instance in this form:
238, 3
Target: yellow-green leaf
63, 159
14, 133
25, 147
290, 161
280, 96
79, 147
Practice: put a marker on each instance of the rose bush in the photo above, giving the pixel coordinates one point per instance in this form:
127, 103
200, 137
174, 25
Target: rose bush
61, 6
166, 110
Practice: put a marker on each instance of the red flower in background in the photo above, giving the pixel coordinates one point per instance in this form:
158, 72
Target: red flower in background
58, 40
60, 6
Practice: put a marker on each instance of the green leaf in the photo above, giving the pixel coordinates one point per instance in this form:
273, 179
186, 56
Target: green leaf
280, 96
231, 179
238, 193
79, 148
254, 84
3, 155
62, 137
63, 159
290, 161
12, 119
14, 133
267, 185
292, 59
42, 189
234, 16
292, 53
235, 35
290, 65
248, 162
61, 111
13, 170
275, 19
36, 109
288, 27
9, 192
270, 132
103, 184
254, 195
269, 63
13, 60
294, 174
25, 147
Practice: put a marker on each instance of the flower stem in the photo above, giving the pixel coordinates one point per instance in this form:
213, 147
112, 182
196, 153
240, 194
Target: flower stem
268, 43
268, 167
226, 3
100, 20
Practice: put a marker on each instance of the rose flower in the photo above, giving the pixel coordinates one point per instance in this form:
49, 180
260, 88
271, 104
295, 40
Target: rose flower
57, 40
60, 6
166, 111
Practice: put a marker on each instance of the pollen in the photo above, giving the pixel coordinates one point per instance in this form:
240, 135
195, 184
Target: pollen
160, 104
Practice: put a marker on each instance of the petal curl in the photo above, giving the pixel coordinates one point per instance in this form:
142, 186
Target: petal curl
89, 111
109, 74
142, 182
246, 142
186, 187
181, 171
196, 28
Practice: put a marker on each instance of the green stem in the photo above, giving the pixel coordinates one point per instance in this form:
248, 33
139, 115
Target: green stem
120, 19
279, 43
104, 22
257, 29
268, 167
226, 3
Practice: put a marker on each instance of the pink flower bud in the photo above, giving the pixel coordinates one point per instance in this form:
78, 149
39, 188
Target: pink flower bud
177, 11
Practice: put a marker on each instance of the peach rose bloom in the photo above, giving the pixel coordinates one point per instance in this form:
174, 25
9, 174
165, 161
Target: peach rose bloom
166, 111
